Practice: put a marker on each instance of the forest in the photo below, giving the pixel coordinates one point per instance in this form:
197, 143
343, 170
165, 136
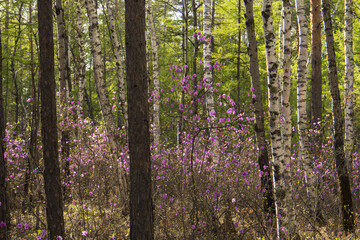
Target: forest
179, 119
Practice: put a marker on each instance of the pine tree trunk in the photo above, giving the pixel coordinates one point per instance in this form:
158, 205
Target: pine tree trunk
114, 137
155, 64
119, 68
263, 160
53, 192
346, 206
4, 208
316, 63
349, 85
141, 213
274, 114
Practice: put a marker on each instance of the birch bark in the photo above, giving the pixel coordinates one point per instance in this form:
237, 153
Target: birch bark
274, 114
208, 79
310, 177
102, 93
119, 68
286, 131
263, 160
349, 84
346, 206
155, 63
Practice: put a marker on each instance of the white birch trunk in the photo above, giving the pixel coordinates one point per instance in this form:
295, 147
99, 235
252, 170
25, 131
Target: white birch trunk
274, 114
310, 177
349, 84
119, 68
286, 110
155, 63
102, 92
208, 79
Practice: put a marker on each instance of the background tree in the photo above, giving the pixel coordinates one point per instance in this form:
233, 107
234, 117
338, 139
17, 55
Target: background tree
346, 206
53, 192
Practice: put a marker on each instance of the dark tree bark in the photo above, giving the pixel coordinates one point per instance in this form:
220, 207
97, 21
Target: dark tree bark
338, 125
4, 208
141, 214
54, 204
316, 61
264, 163
196, 53
12, 66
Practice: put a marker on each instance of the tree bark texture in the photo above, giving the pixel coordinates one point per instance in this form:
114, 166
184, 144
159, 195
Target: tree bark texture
141, 209
208, 79
274, 114
54, 204
263, 160
155, 64
316, 62
349, 84
346, 206
291, 222
119, 68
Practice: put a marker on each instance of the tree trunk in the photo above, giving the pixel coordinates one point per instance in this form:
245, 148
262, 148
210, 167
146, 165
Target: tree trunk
12, 66
155, 64
195, 55
310, 176
274, 114
82, 64
349, 85
119, 68
141, 214
4, 208
64, 78
287, 123
338, 125
316, 63
185, 49
208, 79
114, 137
54, 204
263, 160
